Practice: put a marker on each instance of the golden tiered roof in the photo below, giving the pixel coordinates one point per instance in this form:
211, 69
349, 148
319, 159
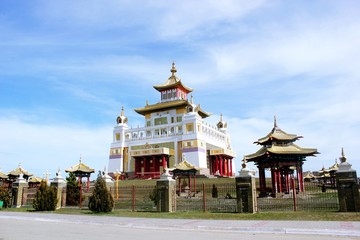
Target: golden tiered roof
162, 106
309, 175
277, 134
35, 180
19, 170
284, 149
279, 143
80, 167
3, 175
173, 82
185, 166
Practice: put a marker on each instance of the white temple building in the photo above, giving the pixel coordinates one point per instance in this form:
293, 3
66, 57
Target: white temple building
174, 130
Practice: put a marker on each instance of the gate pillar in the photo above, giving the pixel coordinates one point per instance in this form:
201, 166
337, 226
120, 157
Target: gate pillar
59, 183
18, 189
245, 191
166, 192
348, 187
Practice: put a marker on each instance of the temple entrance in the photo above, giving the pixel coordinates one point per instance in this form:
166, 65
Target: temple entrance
221, 165
151, 166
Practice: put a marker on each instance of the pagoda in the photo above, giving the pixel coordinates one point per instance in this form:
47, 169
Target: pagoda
279, 154
174, 128
15, 174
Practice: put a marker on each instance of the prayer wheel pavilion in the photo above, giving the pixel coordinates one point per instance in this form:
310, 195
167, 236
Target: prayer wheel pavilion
279, 154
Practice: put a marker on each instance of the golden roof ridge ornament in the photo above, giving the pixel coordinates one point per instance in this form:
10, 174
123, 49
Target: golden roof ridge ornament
122, 111
173, 69
275, 122
343, 157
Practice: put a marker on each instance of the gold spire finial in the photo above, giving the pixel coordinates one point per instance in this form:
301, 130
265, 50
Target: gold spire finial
275, 122
122, 111
173, 69
80, 160
343, 157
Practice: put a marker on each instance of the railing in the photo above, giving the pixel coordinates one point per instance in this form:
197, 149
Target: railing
314, 198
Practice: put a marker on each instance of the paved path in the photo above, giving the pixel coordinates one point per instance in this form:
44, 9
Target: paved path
16, 225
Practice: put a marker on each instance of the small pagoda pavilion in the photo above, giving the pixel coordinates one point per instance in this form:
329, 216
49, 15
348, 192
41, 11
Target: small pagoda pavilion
185, 170
279, 154
14, 174
81, 170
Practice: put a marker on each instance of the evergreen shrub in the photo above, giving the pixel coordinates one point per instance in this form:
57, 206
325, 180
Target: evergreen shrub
45, 198
72, 190
101, 199
5, 196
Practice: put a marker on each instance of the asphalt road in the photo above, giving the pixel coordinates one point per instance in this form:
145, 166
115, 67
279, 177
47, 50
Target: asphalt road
14, 225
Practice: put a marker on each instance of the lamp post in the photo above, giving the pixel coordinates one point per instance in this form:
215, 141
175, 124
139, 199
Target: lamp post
117, 174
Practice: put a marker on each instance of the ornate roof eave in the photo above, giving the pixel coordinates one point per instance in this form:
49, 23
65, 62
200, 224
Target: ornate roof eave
185, 166
169, 105
173, 82
35, 180
16, 172
161, 106
3, 175
177, 84
281, 150
282, 136
80, 167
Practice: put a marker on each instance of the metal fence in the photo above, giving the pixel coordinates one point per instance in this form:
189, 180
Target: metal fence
135, 198
316, 197
210, 197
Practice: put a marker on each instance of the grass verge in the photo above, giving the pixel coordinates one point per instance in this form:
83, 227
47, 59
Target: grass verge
286, 216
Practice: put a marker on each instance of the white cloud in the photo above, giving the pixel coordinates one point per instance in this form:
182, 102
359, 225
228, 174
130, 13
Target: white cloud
49, 147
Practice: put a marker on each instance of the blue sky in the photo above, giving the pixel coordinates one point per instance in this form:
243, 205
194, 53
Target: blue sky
67, 68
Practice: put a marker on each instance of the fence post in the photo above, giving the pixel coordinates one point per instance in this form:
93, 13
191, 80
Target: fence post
245, 191
133, 198
294, 191
59, 183
18, 189
204, 197
348, 187
166, 188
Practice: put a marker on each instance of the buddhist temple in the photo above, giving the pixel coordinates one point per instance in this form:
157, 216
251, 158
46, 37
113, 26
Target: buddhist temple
279, 154
174, 128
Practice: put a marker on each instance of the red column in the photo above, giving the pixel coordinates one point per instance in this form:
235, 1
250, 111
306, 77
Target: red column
144, 165
272, 180
231, 173
88, 183
189, 180
221, 165
262, 181
301, 185
275, 181
195, 183
153, 167
279, 180
217, 164
227, 167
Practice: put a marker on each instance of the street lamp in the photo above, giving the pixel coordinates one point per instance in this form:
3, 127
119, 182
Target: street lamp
117, 174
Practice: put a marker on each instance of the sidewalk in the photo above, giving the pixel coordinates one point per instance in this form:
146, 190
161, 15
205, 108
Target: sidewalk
330, 228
